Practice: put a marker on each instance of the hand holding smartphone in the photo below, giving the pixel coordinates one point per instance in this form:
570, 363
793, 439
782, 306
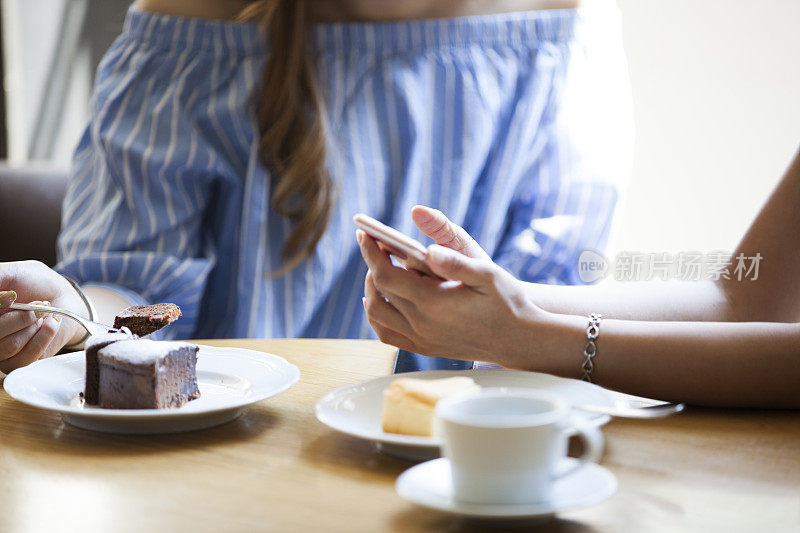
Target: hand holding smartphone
409, 251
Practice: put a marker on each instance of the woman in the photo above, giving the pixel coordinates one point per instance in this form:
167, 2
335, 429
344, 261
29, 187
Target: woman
220, 171
731, 342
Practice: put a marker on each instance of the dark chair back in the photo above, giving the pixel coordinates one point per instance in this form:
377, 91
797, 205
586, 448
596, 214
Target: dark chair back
30, 212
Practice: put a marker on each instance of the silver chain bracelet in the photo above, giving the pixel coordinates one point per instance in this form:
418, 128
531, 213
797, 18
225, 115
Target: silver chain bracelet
592, 332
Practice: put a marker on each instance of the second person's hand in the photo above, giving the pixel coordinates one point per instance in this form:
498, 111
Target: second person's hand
482, 313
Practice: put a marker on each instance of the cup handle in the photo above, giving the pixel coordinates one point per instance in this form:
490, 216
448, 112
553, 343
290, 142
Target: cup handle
592, 439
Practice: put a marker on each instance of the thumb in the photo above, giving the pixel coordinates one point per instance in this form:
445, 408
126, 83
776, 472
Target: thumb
438, 227
452, 265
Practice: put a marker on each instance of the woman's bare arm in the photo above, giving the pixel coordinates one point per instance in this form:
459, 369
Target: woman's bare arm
775, 234
774, 296
739, 348
487, 316
645, 300
722, 364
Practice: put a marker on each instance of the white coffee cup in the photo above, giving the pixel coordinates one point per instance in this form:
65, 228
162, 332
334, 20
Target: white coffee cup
507, 446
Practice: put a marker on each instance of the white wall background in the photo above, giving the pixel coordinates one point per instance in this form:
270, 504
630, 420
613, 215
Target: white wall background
716, 87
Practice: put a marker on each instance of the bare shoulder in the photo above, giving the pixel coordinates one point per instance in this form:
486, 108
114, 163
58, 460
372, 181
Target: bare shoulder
208, 9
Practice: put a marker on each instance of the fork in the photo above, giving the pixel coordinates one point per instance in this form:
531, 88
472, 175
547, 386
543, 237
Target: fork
93, 328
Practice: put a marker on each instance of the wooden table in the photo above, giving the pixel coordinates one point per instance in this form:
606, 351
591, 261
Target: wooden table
276, 468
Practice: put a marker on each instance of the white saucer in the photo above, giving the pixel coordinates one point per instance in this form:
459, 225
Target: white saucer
229, 379
356, 409
429, 485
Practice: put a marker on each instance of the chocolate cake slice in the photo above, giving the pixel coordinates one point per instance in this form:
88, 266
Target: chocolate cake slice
145, 374
93, 345
145, 319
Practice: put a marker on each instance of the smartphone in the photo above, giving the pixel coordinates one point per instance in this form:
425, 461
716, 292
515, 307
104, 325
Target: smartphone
406, 361
411, 253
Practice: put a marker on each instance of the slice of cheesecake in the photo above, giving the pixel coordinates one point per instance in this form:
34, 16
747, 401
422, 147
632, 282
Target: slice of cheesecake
408, 403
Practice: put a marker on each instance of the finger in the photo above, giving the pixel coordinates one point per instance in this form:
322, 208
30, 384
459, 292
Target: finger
14, 321
451, 265
387, 336
12, 344
381, 311
438, 227
36, 347
391, 280
407, 308
373, 255
40, 314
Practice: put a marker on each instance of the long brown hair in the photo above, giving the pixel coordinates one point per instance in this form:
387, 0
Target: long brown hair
291, 120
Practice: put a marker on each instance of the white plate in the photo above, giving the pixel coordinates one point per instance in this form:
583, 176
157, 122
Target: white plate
229, 379
430, 485
356, 409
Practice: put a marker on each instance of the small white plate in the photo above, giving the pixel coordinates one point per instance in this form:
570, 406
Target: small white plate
356, 409
229, 379
430, 485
